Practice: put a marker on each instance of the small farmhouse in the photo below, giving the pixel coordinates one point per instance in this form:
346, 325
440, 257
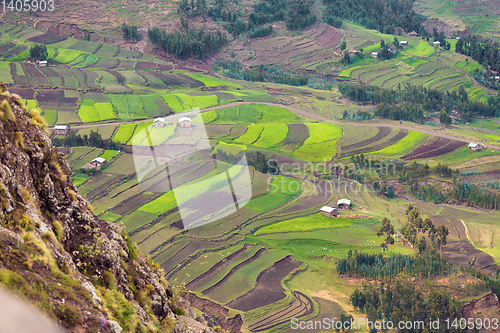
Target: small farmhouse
374, 54
159, 122
42, 63
475, 146
61, 130
413, 34
352, 52
98, 162
403, 43
185, 122
329, 211
344, 204
436, 43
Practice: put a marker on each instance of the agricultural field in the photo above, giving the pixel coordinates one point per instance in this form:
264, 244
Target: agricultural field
90, 111
259, 260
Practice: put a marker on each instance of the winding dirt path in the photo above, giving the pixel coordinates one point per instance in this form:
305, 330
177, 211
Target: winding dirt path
376, 123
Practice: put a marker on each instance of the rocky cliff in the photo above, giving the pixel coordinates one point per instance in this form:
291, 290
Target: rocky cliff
84, 273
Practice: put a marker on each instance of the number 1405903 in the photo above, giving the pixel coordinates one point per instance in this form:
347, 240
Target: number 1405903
27, 5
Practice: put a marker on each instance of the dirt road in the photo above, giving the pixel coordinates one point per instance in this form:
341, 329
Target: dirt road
377, 123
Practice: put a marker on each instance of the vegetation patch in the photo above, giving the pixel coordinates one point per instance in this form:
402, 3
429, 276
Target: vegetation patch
314, 222
90, 111
251, 135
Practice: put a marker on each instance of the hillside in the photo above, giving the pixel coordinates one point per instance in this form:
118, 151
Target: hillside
83, 272
328, 100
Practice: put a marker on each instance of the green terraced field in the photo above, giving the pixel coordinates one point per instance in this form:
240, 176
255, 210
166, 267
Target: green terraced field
108, 154
314, 222
422, 49
272, 135
5, 73
153, 135
90, 111
321, 143
124, 133
66, 56
280, 190
210, 81
128, 107
251, 135
411, 141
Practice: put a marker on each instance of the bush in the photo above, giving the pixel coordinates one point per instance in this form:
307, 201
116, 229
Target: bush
68, 314
179, 311
39, 52
58, 230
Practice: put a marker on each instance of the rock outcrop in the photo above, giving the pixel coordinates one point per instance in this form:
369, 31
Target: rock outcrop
83, 272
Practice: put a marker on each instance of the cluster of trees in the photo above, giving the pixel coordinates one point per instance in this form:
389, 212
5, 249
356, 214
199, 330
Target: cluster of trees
444, 170
296, 13
441, 38
261, 73
92, 140
486, 78
472, 195
416, 227
268, 12
187, 44
258, 160
193, 7
484, 52
404, 303
233, 23
263, 164
404, 111
376, 266
130, 33
299, 15
461, 192
410, 102
381, 15
358, 115
444, 118
260, 31
38, 52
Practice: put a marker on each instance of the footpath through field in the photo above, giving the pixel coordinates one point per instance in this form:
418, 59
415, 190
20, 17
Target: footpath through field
302, 113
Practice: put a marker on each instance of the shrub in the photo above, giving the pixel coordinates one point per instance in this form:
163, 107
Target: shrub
68, 314
109, 280
18, 140
37, 120
6, 113
58, 230
130, 245
179, 311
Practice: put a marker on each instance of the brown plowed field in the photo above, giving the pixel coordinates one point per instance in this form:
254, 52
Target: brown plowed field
459, 250
329, 38
301, 306
433, 148
268, 289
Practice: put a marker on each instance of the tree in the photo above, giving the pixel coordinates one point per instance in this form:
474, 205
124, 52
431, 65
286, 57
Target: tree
442, 233
343, 45
386, 229
391, 191
346, 60
130, 33
38, 52
444, 118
